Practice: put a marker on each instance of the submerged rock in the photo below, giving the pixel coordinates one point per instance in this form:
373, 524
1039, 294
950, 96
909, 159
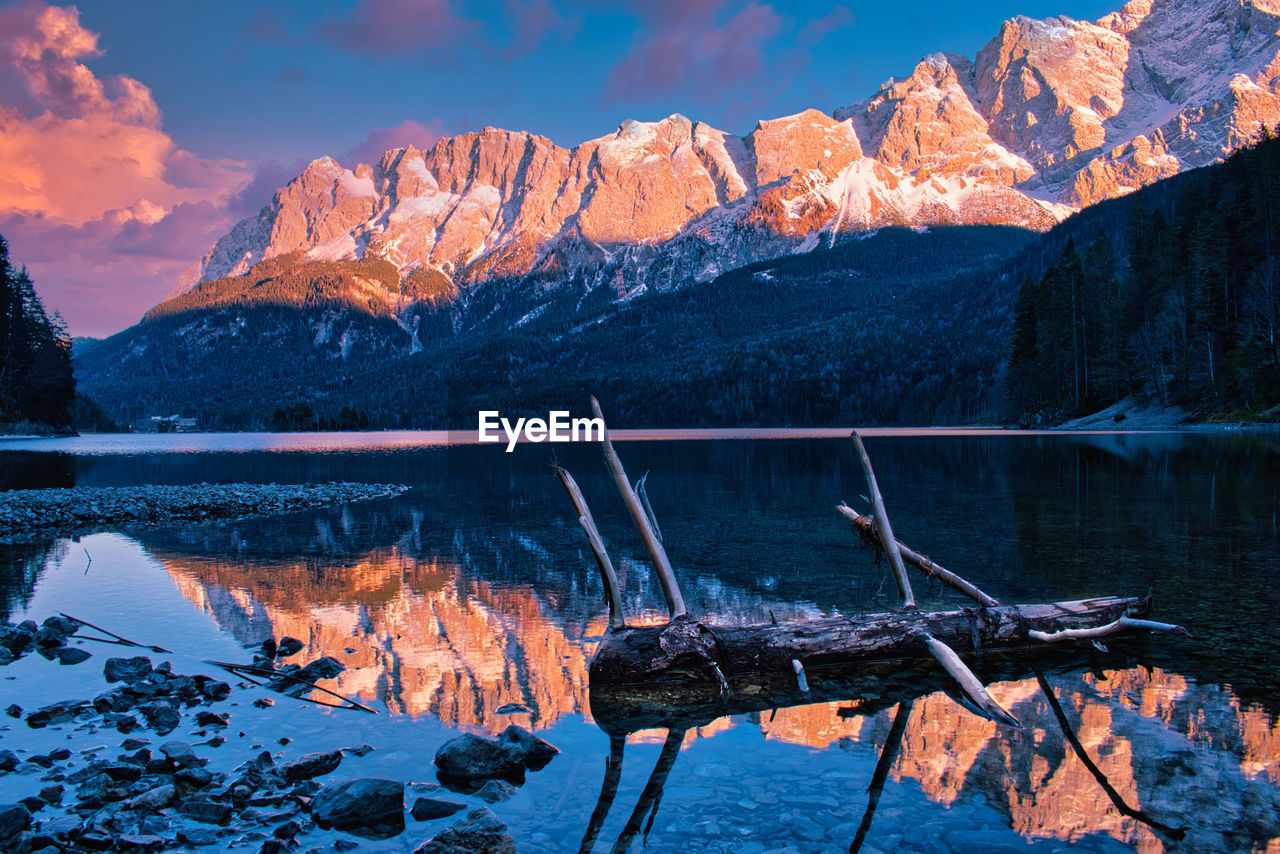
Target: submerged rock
13, 820
470, 756
427, 809
496, 790
479, 832
127, 669
358, 801
311, 765
536, 752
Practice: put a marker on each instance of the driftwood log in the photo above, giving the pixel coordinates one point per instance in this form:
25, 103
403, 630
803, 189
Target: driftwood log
689, 663
692, 655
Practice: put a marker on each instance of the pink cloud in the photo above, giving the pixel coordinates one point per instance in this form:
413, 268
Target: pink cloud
382, 27
685, 45
530, 21
380, 140
95, 196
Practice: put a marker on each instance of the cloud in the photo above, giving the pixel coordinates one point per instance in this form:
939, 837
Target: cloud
264, 27
380, 140
690, 44
385, 27
817, 29
530, 21
93, 191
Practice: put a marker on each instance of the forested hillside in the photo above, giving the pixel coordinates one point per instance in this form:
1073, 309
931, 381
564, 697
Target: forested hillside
1169, 294
37, 389
897, 326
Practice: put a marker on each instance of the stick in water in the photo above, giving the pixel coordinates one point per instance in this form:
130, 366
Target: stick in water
661, 565
612, 590
887, 539
970, 684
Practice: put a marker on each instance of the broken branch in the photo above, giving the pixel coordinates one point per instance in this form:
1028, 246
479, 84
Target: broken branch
657, 554
887, 539
866, 526
612, 591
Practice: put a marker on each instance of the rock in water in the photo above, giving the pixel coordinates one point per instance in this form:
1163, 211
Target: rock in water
496, 790
179, 753
480, 832
288, 646
71, 655
13, 820
426, 809
471, 757
358, 801
536, 753
311, 765
127, 669
514, 709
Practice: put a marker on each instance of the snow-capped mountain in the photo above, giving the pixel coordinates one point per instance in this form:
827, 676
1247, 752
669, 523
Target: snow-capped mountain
1050, 116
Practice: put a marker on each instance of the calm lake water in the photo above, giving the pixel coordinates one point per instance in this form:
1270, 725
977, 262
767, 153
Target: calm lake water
476, 589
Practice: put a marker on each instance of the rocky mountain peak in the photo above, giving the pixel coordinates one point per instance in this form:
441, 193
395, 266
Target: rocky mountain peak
1049, 116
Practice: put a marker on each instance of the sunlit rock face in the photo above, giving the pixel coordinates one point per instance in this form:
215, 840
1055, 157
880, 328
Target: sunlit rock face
1050, 116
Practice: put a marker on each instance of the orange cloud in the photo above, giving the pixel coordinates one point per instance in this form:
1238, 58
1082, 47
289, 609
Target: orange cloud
79, 148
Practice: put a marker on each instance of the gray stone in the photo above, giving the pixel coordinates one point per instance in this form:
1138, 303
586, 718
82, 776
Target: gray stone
479, 832
536, 752
198, 836
427, 809
494, 791
209, 812
161, 715
179, 753
139, 842
357, 801
311, 765
8, 760
72, 655
288, 646
472, 757
13, 820
153, 799
127, 669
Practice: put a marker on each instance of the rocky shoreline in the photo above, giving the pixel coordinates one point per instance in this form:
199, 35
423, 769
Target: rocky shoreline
153, 791
81, 509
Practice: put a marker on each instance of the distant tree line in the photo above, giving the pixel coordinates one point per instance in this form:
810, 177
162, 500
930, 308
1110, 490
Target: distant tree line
1173, 298
37, 387
300, 417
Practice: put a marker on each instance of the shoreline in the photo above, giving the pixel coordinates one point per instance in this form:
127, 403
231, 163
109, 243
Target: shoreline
87, 509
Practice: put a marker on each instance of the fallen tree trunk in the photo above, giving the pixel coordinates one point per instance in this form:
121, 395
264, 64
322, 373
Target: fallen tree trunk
691, 653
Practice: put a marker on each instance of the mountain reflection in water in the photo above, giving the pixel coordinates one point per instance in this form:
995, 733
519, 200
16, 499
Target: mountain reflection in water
474, 591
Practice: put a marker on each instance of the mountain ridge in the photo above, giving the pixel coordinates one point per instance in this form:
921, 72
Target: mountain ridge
1050, 116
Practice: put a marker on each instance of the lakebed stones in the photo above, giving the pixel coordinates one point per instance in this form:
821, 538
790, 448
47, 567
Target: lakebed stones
359, 801
470, 757
479, 832
428, 809
311, 765
127, 669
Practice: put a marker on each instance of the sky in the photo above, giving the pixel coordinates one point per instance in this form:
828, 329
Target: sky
134, 133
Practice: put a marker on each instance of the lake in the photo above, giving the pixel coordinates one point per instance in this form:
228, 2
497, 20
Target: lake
476, 589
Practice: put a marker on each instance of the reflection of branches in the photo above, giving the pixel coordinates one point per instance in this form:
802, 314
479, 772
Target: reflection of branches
888, 754
1172, 832
608, 789
652, 793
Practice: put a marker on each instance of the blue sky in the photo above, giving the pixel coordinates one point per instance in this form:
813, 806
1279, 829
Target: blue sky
252, 81
135, 132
